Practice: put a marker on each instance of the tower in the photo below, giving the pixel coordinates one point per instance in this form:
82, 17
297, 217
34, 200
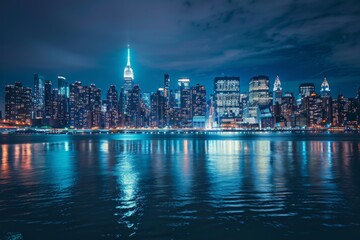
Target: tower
325, 88
128, 73
326, 103
277, 91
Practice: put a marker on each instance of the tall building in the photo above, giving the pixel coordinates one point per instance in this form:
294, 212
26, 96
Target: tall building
288, 108
94, 107
277, 91
166, 85
128, 73
226, 100
325, 88
185, 99
48, 103
306, 89
277, 97
38, 97
63, 86
259, 96
167, 99
18, 103
157, 111
76, 105
112, 117
326, 103
135, 108
198, 100
198, 106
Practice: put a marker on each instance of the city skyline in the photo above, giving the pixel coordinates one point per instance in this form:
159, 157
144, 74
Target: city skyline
129, 74
200, 40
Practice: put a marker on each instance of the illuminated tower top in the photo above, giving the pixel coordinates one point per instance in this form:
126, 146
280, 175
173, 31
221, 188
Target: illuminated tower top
277, 84
325, 86
128, 71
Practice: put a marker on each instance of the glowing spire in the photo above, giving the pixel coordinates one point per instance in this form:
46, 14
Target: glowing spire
277, 84
128, 71
128, 56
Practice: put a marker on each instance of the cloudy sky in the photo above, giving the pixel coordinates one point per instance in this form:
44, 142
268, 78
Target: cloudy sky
86, 40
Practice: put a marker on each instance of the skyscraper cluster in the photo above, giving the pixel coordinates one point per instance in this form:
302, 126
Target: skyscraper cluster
261, 108
76, 106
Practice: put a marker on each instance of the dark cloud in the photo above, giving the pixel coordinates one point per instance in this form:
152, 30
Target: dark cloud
86, 40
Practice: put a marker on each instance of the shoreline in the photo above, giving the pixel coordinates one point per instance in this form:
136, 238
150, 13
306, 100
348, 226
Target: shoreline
170, 131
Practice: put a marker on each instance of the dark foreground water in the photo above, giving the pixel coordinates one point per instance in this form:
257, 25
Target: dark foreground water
229, 186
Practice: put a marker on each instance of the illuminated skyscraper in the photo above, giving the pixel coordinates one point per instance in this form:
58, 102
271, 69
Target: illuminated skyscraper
185, 100
325, 89
277, 91
326, 103
227, 100
48, 103
128, 73
18, 103
38, 97
63, 86
259, 96
306, 89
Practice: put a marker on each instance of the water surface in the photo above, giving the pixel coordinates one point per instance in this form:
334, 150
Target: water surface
181, 186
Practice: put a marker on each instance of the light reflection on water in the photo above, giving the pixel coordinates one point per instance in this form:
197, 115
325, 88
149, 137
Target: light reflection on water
180, 187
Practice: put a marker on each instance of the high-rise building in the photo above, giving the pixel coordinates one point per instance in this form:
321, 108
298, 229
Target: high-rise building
38, 97
128, 73
288, 108
325, 88
157, 111
76, 105
277, 91
198, 106
259, 96
306, 89
326, 104
185, 99
94, 107
227, 100
166, 85
277, 97
135, 108
63, 86
167, 99
112, 117
48, 103
198, 100
18, 103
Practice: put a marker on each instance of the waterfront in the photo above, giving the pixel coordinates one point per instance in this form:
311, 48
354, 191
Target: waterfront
184, 186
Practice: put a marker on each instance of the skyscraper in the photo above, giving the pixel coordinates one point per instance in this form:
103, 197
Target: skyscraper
48, 103
112, 98
128, 73
38, 97
306, 89
18, 103
185, 107
135, 108
167, 98
277, 91
325, 88
63, 86
326, 103
259, 96
227, 99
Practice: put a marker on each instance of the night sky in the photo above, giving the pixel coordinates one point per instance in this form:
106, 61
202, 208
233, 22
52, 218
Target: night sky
86, 41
